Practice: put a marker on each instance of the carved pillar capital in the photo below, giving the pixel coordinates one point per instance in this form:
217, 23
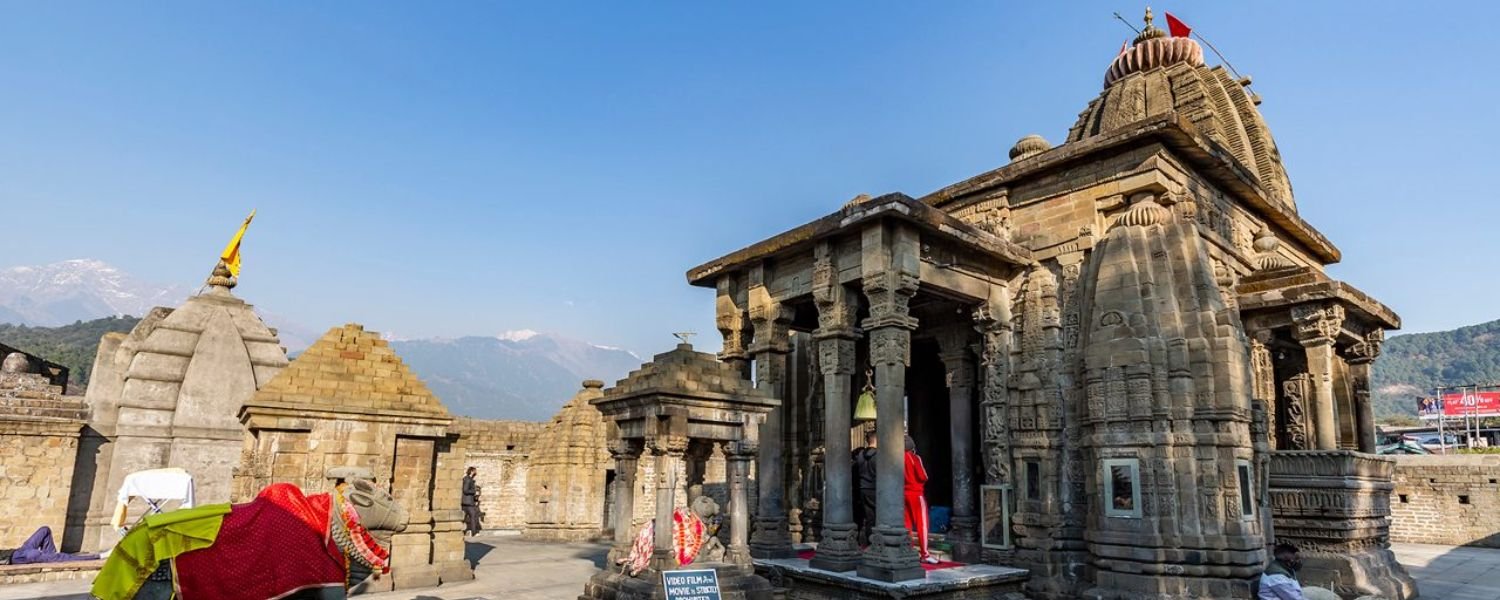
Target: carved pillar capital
624, 449
771, 322
890, 296
668, 444
1366, 350
731, 318
1316, 324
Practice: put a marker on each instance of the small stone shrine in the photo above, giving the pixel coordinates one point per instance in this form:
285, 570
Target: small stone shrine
166, 395
681, 407
349, 401
1120, 358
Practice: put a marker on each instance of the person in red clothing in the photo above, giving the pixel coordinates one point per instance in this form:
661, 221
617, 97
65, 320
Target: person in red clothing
916, 501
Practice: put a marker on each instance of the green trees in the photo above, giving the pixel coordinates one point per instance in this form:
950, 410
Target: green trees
72, 346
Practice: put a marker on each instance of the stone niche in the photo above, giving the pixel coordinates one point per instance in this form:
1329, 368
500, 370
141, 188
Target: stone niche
348, 400
38, 441
1335, 506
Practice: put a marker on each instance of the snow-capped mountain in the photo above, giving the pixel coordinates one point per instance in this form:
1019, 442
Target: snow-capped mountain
86, 289
78, 290
515, 375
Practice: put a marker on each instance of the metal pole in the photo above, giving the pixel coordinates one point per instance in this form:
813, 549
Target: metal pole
1442, 414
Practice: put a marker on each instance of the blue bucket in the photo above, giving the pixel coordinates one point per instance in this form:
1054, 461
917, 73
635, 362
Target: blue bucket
937, 518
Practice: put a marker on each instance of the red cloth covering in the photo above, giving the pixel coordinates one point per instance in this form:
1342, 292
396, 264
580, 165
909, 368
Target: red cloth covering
267, 548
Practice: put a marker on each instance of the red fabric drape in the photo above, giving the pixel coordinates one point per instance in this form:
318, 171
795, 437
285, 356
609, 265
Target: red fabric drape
267, 548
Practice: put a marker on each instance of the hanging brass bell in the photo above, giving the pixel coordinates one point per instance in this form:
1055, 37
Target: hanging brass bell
864, 408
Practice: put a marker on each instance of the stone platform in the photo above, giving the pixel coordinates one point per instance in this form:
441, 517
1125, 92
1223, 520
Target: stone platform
803, 582
40, 573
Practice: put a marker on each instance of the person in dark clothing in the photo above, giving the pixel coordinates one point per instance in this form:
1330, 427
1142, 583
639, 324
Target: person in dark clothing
471, 503
39, 548
864, 481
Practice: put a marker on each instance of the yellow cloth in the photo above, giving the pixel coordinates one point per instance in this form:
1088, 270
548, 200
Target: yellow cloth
159, 537
231, 255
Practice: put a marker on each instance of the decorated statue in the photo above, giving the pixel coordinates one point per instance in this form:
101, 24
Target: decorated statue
694, 536
282, 544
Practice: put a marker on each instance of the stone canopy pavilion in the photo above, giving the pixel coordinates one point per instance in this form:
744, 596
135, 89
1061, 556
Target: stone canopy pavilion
1120, 358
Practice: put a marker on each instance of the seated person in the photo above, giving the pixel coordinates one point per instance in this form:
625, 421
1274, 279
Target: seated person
1279, 582
39, 548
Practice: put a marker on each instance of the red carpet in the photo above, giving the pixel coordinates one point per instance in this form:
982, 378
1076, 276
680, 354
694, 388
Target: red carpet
947, 564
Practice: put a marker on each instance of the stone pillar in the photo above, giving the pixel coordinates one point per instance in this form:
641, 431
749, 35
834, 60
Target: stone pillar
669, 451
627, 458
890, 556
1317, 327
839, 548
737, 457
1360, 357
964, 531
771, 345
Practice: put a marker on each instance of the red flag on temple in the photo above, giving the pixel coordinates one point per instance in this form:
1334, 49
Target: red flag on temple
1122, 47
1177, 27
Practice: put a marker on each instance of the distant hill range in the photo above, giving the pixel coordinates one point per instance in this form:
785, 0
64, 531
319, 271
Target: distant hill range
85, 289
518, 375
1411, 365
77, 290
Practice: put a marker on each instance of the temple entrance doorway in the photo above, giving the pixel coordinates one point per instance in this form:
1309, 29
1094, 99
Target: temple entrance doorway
927, 419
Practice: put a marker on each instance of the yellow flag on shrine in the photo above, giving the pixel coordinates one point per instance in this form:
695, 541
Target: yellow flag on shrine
231, 255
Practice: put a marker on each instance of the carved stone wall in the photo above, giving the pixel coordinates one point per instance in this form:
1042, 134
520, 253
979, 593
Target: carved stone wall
1167, 416
1335, 506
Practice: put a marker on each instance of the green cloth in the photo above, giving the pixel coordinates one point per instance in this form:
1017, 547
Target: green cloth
159, 537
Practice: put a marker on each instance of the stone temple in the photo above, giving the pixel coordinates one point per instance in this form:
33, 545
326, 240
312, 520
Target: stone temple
1120, 357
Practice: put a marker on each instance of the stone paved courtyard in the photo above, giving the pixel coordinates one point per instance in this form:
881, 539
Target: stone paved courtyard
512, 569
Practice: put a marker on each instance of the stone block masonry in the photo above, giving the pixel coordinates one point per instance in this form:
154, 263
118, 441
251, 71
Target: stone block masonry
38, 442
500, 451
1450, 500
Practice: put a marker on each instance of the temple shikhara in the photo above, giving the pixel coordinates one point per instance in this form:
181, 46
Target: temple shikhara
1120, 357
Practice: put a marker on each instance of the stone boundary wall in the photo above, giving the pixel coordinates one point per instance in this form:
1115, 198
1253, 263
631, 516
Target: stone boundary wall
1452, 500
39, 430
501, 451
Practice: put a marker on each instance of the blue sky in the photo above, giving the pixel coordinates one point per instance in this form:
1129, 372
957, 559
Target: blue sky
447, 168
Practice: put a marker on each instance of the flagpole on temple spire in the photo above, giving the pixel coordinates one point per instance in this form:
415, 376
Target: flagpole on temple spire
1127, 24
1218, 54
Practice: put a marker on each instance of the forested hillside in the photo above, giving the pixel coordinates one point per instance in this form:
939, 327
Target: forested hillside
72, 346
1411, 365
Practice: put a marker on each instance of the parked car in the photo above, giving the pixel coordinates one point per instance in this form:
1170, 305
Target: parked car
1430, 441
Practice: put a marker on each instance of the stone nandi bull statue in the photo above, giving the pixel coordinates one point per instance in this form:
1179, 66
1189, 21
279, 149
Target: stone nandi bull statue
283, 544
